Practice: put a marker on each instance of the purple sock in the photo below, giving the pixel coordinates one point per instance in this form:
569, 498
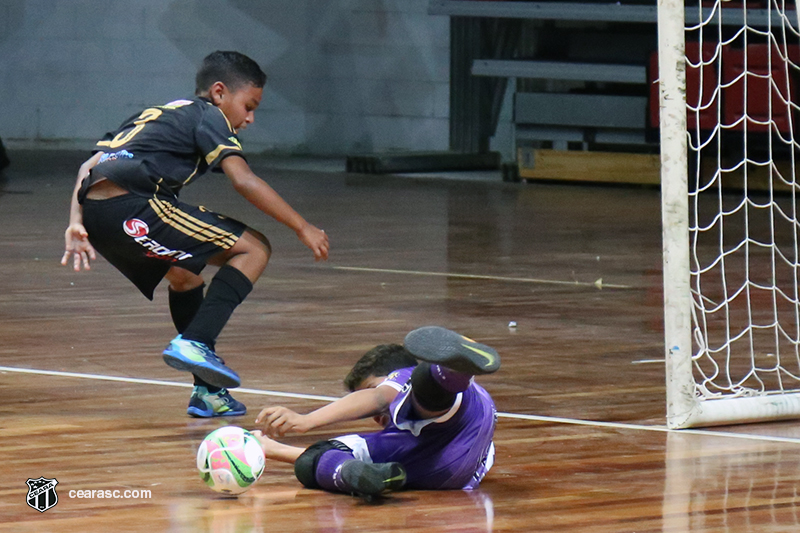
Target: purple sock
329, 470
450, 380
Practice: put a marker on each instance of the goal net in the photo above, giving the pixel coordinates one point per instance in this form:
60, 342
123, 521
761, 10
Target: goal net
729, 80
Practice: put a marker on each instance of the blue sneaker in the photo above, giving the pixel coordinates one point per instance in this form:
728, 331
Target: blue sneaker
204, 404
200, 360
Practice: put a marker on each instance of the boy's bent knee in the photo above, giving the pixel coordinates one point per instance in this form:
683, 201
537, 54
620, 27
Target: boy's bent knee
429, 394
262, 239
250, 253
255, 244
181, 280
305, 467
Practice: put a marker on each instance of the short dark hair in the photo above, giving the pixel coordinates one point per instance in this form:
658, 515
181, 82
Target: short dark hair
231, 68
379, 361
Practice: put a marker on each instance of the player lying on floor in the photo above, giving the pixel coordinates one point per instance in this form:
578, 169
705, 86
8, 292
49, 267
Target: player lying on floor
438, 423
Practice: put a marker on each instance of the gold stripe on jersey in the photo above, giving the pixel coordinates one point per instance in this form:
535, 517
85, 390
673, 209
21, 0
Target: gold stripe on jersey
196, 166
228, 122
211, 156
192, 226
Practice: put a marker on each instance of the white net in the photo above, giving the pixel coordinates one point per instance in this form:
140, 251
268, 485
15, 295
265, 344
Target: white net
742, 82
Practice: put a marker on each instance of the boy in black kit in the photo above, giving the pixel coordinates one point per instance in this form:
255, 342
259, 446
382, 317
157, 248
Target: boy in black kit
125, 205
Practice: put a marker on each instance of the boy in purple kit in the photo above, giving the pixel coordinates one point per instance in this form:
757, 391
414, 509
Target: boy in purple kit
438, 423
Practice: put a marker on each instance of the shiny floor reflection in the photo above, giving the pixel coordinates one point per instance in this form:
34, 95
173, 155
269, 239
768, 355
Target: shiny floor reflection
576, 268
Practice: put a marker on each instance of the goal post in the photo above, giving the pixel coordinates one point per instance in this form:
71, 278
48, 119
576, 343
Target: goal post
729, 83
675, 208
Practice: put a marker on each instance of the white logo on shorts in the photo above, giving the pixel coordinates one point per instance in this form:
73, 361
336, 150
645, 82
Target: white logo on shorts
138, 229
135, 227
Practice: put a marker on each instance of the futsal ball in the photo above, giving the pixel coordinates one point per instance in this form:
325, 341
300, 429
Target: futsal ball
230, 460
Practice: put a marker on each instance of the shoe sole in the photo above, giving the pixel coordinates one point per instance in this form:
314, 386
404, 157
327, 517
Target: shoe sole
441, 346
371, 480
205, 371
194, 412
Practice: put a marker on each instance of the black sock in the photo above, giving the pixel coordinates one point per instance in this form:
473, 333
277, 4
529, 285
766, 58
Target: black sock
227, 290
183, 306
427, 391
200, 383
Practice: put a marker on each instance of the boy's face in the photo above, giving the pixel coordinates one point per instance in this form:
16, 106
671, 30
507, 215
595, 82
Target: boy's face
371, 382
238, 105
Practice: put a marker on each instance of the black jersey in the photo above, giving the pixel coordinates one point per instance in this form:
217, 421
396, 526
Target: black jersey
164, 147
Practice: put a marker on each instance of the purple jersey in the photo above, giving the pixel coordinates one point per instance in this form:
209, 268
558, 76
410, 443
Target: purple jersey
453, 451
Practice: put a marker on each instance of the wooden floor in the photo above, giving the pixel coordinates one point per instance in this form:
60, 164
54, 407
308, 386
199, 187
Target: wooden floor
581, 444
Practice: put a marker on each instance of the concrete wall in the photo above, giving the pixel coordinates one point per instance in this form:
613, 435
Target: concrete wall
345, 76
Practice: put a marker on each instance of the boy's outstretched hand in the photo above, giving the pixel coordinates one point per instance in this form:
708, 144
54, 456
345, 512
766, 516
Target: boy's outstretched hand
77, 244
268, 446
278, 421
316, 240
276, 451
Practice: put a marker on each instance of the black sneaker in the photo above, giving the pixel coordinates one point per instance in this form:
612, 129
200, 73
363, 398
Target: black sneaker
447, 348
370, 480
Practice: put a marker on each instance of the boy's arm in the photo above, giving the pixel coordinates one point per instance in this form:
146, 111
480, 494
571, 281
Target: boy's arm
278, 421
264, 197
76, 238
278, 451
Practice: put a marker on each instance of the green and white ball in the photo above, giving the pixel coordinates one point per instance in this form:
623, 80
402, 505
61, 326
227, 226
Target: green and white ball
230, 460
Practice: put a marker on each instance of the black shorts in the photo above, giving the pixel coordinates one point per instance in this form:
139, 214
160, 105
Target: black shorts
144, 237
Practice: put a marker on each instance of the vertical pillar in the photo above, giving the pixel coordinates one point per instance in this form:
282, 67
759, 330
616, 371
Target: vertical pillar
470, 107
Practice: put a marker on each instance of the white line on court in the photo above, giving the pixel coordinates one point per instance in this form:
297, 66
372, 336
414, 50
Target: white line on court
597, 284
535, 418
142, 381
638, 427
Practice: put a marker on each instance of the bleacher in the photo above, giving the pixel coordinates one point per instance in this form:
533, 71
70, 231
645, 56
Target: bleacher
585, 74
